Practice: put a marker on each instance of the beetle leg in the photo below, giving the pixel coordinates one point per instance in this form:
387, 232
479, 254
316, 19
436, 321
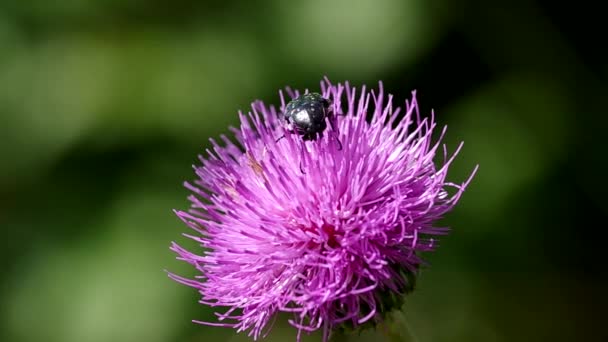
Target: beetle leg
302, 147
281, 137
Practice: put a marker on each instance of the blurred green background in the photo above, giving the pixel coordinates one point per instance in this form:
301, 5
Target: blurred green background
104, 105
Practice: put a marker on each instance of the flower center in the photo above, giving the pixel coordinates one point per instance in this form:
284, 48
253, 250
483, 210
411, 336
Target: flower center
327, 233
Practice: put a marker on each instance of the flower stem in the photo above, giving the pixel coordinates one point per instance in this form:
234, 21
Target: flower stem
396, 329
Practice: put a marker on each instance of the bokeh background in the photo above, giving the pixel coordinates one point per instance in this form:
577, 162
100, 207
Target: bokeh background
104, 105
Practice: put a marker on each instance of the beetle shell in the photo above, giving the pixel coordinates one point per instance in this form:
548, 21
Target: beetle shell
306, 115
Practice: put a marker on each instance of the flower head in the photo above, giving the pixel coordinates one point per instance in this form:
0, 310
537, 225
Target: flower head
330, 232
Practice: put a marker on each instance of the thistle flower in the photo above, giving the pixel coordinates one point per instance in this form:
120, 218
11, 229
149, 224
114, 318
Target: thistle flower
337, 245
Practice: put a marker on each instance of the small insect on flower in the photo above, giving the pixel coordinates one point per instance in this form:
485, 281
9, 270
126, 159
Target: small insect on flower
338, 247
306, 116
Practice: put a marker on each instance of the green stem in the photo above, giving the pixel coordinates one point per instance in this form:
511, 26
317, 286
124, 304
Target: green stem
394, 329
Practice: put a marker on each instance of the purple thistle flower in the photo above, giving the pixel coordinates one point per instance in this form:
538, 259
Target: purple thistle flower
335, 245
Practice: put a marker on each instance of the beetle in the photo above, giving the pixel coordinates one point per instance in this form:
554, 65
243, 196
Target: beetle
306, 116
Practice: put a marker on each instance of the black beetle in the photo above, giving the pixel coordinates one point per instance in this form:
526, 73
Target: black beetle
305, 116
